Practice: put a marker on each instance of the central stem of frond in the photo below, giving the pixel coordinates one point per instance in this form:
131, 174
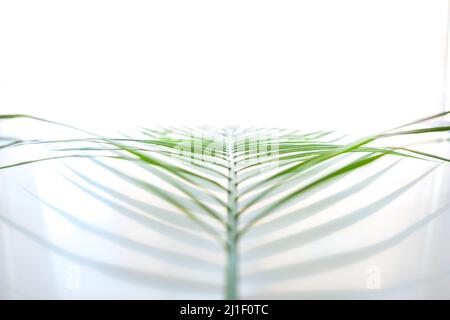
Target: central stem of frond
232, 223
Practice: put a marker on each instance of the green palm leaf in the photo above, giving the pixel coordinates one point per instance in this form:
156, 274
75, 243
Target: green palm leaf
227, 185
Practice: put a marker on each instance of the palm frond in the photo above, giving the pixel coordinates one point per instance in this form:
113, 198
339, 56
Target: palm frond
224, 185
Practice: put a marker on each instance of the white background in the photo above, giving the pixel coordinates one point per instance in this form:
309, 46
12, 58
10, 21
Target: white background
346, 64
